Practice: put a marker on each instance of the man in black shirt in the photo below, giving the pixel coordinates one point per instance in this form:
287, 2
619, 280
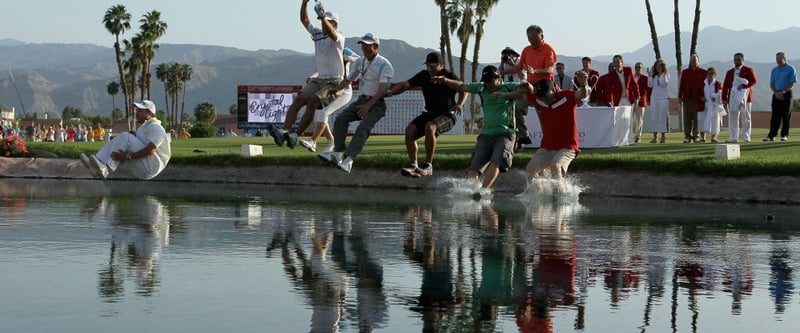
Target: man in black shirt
439, 116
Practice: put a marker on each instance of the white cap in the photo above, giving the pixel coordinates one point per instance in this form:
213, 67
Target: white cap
331, 16
146, 105
369, 38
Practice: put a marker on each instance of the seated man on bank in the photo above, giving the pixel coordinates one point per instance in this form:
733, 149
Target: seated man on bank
145, 153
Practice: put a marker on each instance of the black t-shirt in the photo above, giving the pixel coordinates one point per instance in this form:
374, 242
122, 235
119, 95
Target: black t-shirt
438, 96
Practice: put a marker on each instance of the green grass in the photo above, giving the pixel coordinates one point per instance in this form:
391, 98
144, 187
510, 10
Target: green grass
453, 153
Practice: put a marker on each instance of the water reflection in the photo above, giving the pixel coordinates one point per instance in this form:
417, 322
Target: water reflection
139, 230
398, 262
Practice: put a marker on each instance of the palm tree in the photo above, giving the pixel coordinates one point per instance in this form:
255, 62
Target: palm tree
653, 34
184, 74
162, 74
133, 65
678, 54
151, 29
461, 24
117, 20
483, 7
444, 39
113, 89
695, 27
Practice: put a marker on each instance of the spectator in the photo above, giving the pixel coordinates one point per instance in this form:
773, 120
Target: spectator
734, 110
99, 132
781, 81
644, 101
618, 87
712, 118
594, 76
658, 82
690, 92
563, 81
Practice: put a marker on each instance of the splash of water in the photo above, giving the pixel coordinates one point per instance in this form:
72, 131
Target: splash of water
557, 190
463, 188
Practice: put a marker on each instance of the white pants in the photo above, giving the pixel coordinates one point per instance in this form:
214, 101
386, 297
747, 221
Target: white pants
127, 142
321, 116
733, 120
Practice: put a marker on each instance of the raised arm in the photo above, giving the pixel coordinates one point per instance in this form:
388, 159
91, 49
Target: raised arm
304, 14
456, 85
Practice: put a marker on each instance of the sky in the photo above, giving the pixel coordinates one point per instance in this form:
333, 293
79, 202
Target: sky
573, 28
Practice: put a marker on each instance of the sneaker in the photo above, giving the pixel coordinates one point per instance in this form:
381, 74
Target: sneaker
663, 140
308, 144
637, 139
768, 139
331, 157
425, 170
291, 139
329, 147
686, 140
746, 140
88, 165
277, 134
346, 165
784, 138
410, 171
654, 140
731, 141
99, 170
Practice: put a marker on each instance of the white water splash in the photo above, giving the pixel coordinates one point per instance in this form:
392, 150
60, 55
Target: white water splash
556, 190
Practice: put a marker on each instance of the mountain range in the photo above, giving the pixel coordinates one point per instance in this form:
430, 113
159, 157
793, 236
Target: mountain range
48, 77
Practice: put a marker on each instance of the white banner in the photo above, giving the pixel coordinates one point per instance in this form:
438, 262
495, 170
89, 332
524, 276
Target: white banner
598, 127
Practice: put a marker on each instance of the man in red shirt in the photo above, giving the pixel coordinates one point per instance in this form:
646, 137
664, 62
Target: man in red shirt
560, 142
644, 102
747, 73
538, 60
690, 93
618, 87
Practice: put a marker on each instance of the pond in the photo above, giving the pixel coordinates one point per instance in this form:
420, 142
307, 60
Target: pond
92, 256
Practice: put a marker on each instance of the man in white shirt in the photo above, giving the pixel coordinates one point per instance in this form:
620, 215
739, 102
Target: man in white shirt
145, 153
328, 47
374, 74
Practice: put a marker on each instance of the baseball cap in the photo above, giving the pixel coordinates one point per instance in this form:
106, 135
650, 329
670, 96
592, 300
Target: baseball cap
543, 87
369, 38
489, 73
509, 51
146, 105
433, 58
331, 16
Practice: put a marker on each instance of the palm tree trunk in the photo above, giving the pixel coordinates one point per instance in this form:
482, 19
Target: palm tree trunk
695, 27
678, 54
653, 34
121, 74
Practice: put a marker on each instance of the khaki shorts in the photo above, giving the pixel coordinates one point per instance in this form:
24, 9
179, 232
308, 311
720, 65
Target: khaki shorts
320, 88
493, 148
553, 160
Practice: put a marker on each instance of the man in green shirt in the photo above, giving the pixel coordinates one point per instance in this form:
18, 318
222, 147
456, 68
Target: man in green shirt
494, 150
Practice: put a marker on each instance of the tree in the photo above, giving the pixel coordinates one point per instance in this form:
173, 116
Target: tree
117, 20
70, 112
133, 65
184, 74
117, 114
653, 34
233, 109
444, 39
151, 29
113, 89
678, 54
205, 113
695, 28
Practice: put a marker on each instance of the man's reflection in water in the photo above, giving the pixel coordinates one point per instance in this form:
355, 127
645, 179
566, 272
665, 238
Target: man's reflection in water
737, 269
338, 249
553, 266
781, 287
432, 252
139, 230
309, 268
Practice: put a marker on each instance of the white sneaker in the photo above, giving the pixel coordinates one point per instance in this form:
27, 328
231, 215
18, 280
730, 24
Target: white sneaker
346, 165
332, 157
308, 144
99, 170
784, 138
329, 147
88, 165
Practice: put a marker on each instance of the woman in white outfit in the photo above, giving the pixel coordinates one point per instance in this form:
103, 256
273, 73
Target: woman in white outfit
658, 119
712, 91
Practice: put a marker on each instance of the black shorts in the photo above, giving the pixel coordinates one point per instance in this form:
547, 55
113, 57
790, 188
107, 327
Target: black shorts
444, 122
